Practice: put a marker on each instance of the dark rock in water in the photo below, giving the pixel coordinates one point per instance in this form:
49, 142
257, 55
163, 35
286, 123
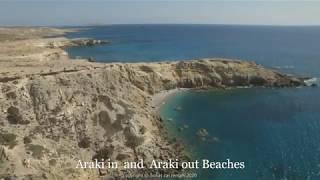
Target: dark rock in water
202, 133
173, 140
314, 85
91, 59
183, 127
214, 139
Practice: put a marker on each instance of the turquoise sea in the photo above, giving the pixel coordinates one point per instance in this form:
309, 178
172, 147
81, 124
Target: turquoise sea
276, 132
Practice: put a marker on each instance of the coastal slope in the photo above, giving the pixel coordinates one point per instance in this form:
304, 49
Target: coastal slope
56, 111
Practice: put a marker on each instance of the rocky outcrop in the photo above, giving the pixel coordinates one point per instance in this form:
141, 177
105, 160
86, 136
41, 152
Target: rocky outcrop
55, 112
76, 42
206, 74
106, 112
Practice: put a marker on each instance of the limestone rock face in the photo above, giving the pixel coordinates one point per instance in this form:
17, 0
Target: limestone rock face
105, 112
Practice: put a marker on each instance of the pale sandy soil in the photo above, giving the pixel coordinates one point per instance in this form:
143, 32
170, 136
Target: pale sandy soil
160, 99
27, 51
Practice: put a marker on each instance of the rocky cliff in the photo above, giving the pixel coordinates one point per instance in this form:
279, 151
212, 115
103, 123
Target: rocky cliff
52, 116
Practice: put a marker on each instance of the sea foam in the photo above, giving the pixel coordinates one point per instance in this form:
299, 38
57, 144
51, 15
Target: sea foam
312, 81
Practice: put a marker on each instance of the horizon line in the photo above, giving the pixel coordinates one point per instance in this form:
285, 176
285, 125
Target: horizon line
216, 24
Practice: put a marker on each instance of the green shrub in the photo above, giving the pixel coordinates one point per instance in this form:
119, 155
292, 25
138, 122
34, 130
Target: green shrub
52, 162
14, 116
37, 150
27, 140
8, 139
84, 143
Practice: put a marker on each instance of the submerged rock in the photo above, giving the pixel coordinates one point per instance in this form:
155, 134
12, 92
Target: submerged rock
183, 127
203, 133
213, 139
91, 59
178, 108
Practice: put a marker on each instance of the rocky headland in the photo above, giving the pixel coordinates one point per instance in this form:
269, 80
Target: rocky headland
56, 111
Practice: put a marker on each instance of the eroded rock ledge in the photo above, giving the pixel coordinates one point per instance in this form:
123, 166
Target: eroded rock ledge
56, 111
76, 42
105, 112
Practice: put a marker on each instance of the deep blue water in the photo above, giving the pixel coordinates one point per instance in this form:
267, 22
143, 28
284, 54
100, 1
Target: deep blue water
285, 47
276, 132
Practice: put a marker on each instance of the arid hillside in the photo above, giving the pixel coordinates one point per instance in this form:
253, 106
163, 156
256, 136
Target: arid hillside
56, 111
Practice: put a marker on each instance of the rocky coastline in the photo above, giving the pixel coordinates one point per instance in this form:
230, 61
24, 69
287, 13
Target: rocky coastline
76, 42
56, 111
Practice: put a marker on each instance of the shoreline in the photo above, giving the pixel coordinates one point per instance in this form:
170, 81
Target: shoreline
159, 99
105, 110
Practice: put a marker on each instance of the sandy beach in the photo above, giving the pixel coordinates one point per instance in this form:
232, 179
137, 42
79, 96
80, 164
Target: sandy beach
56, 110
160, 98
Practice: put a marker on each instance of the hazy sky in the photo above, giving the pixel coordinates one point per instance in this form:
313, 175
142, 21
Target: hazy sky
88, 12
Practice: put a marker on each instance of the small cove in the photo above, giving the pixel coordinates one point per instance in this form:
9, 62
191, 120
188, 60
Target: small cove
274, 131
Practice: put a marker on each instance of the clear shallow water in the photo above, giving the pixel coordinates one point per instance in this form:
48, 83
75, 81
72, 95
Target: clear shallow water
275, 131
